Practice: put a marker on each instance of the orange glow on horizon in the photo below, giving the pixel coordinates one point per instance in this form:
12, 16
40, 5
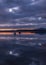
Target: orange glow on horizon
15, 29
11, 33
6, 33
25, 33
17, 33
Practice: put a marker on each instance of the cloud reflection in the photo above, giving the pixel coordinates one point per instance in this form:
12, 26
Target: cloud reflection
12, 53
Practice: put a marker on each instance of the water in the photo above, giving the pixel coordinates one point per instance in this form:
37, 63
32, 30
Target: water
23, 49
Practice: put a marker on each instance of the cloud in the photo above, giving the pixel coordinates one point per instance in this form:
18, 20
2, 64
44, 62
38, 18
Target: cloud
21, 10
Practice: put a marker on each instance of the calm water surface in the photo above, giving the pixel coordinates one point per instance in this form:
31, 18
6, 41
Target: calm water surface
22, 49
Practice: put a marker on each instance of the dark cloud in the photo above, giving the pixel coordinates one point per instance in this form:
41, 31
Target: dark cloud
28, 8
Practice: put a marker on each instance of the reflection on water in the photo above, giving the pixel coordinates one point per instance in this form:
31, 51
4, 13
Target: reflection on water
22, 49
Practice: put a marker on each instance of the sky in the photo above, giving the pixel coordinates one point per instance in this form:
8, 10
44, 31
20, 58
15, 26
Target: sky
22, 11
